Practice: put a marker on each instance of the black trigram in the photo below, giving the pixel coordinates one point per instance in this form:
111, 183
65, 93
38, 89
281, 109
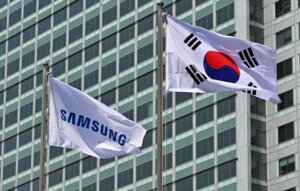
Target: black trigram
252, 92
197, 76
248, 58
192, 41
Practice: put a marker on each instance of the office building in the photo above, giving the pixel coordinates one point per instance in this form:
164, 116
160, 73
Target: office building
226, 142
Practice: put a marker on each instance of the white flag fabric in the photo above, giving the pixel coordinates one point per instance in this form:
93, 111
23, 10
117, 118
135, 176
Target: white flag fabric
202, 61
78, 121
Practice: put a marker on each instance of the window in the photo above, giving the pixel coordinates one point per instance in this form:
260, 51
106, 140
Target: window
205, 146
206, 21
143, 170
167, 161
168, 100
44, 25
182, 97
291, 189
12, 92
109, 98
24, 187
198, 2
167, 131
258, 106
184, 154
28, 59
108, 70
75, 34
14, 17
226, 106
43, 51
9, 170
109, 15
283, 37
55, 177
226, 170
30, 8
284, 68
89, 4
126, 34
184, 124
38, 105
10, 144
204, 115
225, 14
59, 17
282, 7
59, 42
88, 164
26, 111
148, 141
129, 115
183, 6
10, 118
75, 60
92, 52
145, 53
13, 67
287, 100
2, 48
39, 78
2, 24
205, 178
125, 178
37, 131
55, 152
29, 34
258, 133
286, 165
286, 132
92, 25
90, 187
126, 62
43, 3
14, 42
36, 158
106, 161
145, 82
126, 90
76, 84
184, 184
107, 183
126, 6
144, 111
256, 11
226, 138
145, 24
76, 8
108, 43
72, 170
24, 164
25, 137
59, 68
143, 2
91, 79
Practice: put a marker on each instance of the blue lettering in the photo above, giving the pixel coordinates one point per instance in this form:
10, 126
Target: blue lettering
122, 139
103, 130
113, 135
63, 113
95, 126
71, 117
83, 122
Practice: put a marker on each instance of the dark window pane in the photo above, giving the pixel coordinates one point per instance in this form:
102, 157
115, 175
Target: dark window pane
55, 177
108, 43
76, 84
43, 51
109, 98
283, 37
72, 171
26, 111
14, 17
3, 24
282, 7
125, 178
44, 25
43, 3
182, 97
126, 34
286, 132
10, 144
184, 124
28, 59
143, 170
145, 82
284, 68
126, 90
126, 7
76, 8
126, 62
206, 21
75, 60
9, 170
75, 34
30, 8
90, 3
144, 111
184, 154
183, 6
92, 52
145, 53
226, 106
286, 165
59, 42
14, 42
143, 2
204, 115
92, 25
88, 164
91, 79
59, 17
107, 183
226, 171
55, 152
24, 164
287, 100
13, 67
145, 24
109, 15
12, 92
225, 14
59, 68
205, 146
226, 138
29, 34
108, 70
205, 178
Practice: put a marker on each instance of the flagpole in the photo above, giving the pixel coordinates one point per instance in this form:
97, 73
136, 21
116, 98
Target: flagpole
43, 128
159, 165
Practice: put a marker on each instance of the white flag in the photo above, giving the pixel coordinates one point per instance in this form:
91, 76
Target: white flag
80, 122
203, 61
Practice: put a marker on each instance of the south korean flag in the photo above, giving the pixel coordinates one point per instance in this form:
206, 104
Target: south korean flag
202, 61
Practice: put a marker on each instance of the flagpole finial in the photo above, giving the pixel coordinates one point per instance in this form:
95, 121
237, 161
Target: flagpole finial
160, 3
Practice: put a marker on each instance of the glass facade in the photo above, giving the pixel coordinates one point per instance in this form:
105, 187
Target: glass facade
108, 50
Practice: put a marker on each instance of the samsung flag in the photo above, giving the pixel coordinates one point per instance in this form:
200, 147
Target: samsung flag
78, 121
203, 61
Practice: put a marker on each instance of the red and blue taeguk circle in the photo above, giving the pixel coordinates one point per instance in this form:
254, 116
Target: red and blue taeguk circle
219, 66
